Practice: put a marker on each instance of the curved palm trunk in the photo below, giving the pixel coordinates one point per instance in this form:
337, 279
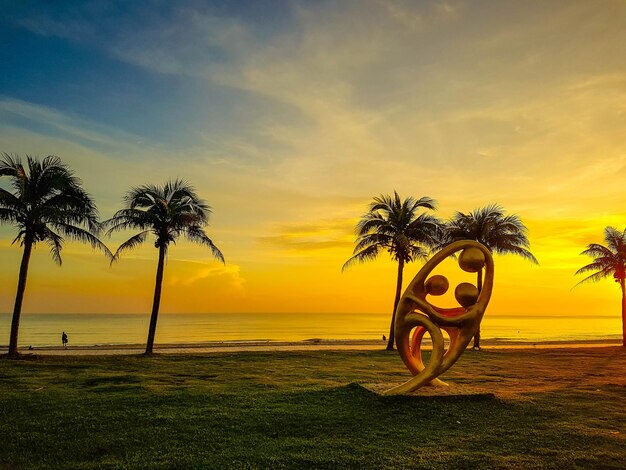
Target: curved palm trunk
157, 300
19, 297
395, 306
623, 313
479, 285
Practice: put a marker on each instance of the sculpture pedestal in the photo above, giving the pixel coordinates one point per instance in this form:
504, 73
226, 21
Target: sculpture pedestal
450, 390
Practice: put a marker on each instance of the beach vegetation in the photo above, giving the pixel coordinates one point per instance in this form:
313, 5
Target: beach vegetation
399, 227
609, 260
166, 212
498, 231
47, 204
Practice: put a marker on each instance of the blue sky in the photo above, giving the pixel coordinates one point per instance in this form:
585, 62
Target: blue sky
63, 55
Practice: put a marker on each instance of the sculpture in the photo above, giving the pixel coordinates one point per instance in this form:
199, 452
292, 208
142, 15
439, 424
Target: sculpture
414, 312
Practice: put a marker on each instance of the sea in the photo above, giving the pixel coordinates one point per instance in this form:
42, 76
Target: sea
84, 329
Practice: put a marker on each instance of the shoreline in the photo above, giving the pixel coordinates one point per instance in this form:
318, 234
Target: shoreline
305, 345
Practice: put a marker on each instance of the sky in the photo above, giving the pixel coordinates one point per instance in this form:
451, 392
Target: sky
289, 116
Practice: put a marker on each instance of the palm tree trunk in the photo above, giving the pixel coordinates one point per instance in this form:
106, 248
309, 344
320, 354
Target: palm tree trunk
623, 313
479, 285
19, 297
157, 300
395, 306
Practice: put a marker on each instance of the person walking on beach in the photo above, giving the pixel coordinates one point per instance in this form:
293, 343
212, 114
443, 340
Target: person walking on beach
64, 340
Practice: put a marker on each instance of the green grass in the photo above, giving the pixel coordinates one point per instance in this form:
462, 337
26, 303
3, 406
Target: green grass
551, 409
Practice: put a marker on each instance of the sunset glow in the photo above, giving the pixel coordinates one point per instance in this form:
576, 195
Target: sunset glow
288, 117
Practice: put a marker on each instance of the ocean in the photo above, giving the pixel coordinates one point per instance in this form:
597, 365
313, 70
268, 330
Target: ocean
102, 329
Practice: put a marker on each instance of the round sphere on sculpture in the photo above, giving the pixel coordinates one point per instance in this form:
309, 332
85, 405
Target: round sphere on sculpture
471, 260
466, 294
436, 285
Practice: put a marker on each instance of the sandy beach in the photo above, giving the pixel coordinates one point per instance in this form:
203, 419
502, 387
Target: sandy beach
264, 345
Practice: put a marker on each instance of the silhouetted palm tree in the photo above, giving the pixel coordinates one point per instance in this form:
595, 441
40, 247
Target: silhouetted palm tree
500, 233
167, 212
609, 260
396, 226
46, 203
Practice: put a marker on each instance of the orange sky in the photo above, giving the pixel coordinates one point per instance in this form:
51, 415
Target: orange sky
469, 103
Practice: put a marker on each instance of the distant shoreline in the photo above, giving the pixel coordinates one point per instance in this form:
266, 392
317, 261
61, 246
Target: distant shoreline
268, 345
228, 332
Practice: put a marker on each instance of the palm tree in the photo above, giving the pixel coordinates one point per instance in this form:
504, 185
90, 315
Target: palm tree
396, 226
609, 260
46, 204
167, 212
500, 233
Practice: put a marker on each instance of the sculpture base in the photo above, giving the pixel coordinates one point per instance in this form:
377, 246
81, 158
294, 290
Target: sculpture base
448, 390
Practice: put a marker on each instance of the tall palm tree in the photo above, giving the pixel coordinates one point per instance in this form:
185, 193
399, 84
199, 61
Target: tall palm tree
500, 233
167, 212
46, 203
609, 260
395, 225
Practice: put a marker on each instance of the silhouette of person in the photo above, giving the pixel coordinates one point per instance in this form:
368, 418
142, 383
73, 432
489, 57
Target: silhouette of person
384, 338
64, 340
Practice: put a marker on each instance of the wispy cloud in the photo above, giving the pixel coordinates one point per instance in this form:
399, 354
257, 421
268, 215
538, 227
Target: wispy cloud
49, 121
326, 235
188, 272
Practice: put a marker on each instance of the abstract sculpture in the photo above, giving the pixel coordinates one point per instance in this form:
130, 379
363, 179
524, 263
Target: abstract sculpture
415, 313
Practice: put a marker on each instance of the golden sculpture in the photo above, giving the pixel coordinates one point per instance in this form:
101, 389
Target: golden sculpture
415, 313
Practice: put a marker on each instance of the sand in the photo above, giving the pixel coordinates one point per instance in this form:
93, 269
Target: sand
312, 344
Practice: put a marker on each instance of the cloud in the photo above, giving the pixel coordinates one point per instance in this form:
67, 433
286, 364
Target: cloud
313, 237
301, 244
382, 94
190, 272
199, 39
405, 96
52, 122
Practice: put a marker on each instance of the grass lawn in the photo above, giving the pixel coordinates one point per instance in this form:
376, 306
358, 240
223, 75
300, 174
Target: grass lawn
551, 408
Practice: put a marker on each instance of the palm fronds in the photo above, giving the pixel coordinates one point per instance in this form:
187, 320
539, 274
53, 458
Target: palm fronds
491, 226
609, 260
47, 198
395, 225
167, 212
129, 244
